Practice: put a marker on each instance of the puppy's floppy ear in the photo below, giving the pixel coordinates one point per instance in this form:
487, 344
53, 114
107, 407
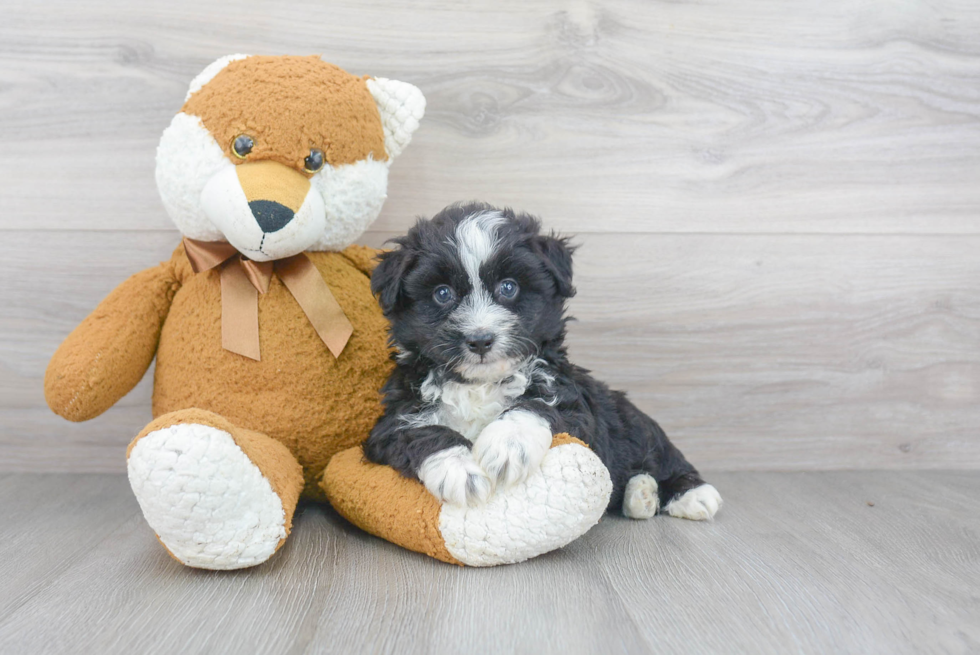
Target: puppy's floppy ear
556, 253
388, 278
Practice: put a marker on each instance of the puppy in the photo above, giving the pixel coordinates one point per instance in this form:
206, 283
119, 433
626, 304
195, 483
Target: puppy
476, 299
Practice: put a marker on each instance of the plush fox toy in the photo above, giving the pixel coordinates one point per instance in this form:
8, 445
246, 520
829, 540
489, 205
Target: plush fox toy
270, 348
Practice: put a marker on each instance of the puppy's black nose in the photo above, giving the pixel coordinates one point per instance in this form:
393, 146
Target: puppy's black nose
480, 343
271, 216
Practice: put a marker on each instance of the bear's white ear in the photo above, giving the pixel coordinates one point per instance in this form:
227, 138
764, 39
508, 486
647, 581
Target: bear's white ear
401, 106
208, 73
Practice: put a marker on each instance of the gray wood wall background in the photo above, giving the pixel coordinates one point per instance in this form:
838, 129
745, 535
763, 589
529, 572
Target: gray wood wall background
778, 204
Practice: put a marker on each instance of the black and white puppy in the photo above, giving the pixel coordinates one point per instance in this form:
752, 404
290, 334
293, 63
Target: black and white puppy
476, 299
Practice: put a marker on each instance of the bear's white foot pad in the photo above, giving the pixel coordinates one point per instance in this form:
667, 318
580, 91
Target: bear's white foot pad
640, 501
698, 504
208, 503
555, 505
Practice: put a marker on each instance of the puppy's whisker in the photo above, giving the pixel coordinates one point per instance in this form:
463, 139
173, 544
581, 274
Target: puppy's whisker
530, 342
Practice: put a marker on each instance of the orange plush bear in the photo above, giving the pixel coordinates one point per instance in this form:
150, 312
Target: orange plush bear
270, 347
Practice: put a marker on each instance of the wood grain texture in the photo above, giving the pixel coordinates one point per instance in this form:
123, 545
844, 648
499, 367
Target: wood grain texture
779, 204
608, 116
795, 562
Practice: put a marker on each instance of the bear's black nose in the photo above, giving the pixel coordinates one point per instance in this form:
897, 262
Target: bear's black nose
271, 216
479, 343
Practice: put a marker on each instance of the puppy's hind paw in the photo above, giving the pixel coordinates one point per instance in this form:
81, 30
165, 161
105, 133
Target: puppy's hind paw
698, 504
640, 500
453, 477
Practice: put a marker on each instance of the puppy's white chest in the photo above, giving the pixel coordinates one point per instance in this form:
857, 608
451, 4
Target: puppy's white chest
470, 407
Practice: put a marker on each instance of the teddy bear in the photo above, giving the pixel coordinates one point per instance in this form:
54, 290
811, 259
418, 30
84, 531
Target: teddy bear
270, 348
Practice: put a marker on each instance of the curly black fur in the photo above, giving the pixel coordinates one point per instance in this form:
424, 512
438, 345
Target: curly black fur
428, 348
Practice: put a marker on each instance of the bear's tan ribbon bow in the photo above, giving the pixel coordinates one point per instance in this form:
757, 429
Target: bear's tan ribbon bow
242, 280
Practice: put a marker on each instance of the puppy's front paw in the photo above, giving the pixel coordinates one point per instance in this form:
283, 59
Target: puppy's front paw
453, 477
512, 446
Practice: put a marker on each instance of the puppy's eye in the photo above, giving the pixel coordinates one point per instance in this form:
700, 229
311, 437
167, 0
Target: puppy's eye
444, 294
242, 145
508, 289
313, 161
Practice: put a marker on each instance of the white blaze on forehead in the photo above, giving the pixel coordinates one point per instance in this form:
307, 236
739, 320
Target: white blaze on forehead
476, 241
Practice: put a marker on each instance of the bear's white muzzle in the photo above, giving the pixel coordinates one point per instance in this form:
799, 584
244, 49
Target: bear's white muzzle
265, 209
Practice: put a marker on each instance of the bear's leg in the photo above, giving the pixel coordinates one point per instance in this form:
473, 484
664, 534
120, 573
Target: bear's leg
555, 505
218, 496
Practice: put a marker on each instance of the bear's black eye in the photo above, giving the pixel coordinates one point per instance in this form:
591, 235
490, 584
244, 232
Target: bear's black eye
443, 294
508, 289
242, 145
314, 161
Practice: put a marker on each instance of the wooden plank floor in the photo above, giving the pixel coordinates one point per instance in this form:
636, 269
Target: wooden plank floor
885, 562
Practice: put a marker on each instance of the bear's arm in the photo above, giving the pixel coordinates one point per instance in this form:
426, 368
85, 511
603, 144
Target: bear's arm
362, 257
108, 353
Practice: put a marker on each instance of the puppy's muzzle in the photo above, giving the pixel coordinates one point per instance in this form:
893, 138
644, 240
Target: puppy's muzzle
480, 344
274, 192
